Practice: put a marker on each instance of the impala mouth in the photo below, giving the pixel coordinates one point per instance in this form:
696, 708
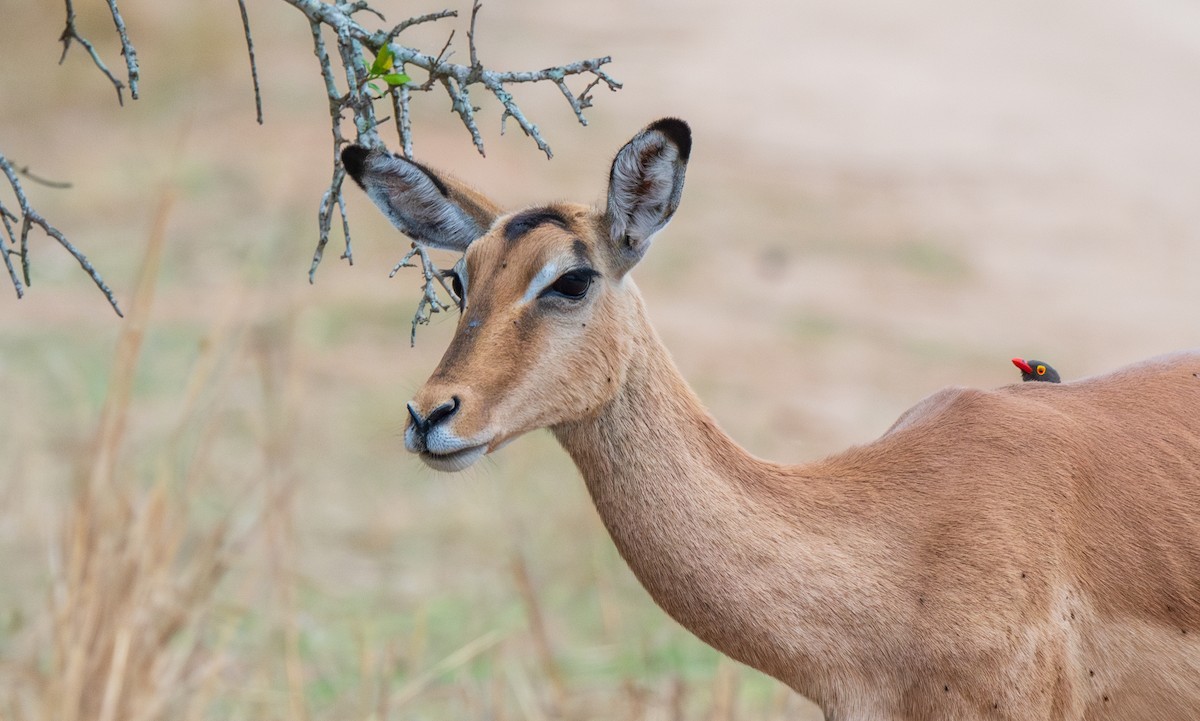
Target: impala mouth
455, 460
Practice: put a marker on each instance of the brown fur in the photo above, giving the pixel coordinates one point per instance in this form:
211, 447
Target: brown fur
1031, 552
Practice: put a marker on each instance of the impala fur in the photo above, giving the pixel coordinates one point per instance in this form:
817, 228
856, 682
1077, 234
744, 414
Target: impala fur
1030, 552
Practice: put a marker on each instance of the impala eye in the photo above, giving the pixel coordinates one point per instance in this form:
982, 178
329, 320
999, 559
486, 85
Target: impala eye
572, 284
456, 285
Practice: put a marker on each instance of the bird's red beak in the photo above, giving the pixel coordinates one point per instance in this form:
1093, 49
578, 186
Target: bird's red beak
1020, 363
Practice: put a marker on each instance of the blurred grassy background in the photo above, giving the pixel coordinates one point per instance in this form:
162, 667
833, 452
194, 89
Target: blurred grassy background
216, 518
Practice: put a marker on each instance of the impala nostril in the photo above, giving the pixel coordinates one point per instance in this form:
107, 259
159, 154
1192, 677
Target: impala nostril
416, 418
442, 412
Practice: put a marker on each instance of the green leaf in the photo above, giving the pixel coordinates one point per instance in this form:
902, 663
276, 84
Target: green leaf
396, 79
383, 61
375, 87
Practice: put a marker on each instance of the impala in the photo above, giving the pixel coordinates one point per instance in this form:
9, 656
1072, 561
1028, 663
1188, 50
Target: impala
1030, 552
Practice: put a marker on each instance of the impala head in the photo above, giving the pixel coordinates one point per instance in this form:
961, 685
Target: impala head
545, 331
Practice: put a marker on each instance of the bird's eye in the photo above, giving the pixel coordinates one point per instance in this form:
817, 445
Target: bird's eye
1041, 370
573, 284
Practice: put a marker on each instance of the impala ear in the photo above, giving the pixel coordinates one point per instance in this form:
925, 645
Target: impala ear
432, 209
645, 184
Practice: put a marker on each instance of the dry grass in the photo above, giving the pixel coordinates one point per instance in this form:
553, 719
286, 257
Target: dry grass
127, 632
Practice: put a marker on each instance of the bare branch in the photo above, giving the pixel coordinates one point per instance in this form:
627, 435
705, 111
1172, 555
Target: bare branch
358, 6
348, 255
460, 102
56, 184
454, 79
443, 55
358, 100
393, 63
441, 71
9, 219
400, 99
325, 219
69, 33
429, 303
495, 81
429, 17
253, 64
127, 49
511, 109
29, 218
578, 102
324, 214
471, 35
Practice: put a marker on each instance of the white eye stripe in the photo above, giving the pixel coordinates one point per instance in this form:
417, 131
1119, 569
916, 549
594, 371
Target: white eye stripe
540, 281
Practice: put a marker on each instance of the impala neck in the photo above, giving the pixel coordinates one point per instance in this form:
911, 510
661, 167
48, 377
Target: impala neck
693, 514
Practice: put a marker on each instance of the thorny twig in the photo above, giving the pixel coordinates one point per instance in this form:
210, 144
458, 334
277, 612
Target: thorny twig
400, 100
9, 219
56, 184
28, 218
352, 38
69, 33
428, 17
430, 303
16, 242
443, 54
127, 49
455, 79
475, 6
325, 211
362, 5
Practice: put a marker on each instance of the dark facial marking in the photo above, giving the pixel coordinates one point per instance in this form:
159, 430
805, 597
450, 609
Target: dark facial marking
523, 222
579, 248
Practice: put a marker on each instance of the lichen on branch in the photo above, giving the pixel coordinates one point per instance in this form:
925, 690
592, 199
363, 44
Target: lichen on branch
17, 223
15, 241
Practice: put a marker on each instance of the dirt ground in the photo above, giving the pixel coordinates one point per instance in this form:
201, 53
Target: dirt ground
884, 199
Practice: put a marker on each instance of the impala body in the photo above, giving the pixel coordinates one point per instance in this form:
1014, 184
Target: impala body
1031, 552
